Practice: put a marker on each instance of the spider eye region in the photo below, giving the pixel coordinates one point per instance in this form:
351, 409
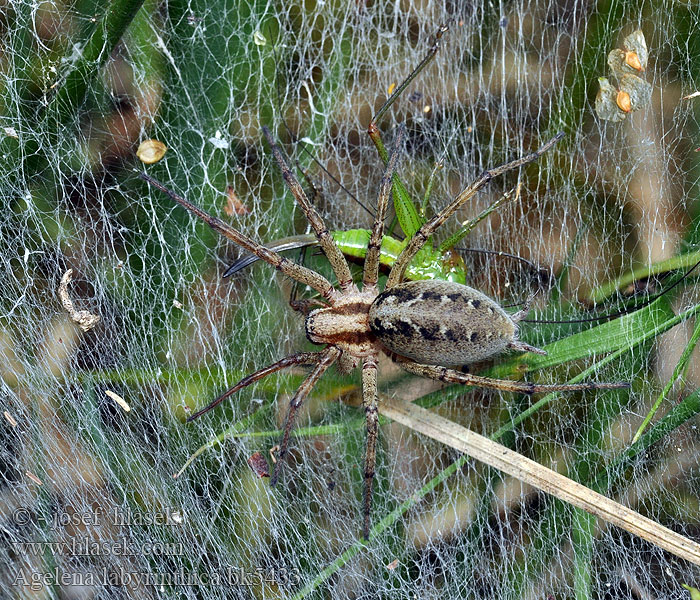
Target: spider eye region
440, 323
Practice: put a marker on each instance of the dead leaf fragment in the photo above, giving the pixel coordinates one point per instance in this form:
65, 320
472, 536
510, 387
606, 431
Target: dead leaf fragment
234, 206
259, 465
119, 400
34, 478
9, 418
85, 320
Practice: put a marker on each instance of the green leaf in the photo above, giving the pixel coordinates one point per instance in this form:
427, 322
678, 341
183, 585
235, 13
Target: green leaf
620, 334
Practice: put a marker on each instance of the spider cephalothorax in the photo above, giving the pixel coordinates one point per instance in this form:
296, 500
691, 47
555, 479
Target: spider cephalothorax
426, 326
345, 324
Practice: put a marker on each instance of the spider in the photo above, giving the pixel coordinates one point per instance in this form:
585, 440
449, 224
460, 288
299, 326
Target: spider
422, 325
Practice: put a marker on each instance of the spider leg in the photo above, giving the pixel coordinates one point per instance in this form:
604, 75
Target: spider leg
372, 129
371, 271
523, 387
325, 239
306, 306
303, 306
326, 358
369, 402
427, 229
297, 272
302, 358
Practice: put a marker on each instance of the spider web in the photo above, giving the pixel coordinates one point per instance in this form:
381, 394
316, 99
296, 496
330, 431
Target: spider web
78, 470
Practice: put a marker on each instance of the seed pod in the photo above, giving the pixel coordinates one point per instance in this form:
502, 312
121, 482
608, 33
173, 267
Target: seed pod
632, 59
151, 151
623, 101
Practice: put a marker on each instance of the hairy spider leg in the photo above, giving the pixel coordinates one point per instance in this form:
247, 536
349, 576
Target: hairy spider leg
372, 129
302, 358
325, 239
369, 364
370, 274
369, 403
523, 387
327, 357
427, 229
297, 272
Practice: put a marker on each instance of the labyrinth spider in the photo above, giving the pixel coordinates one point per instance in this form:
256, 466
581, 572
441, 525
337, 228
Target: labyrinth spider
420, 324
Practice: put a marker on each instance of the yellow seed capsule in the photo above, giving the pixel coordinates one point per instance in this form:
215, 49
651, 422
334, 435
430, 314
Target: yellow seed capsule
623, 101
632, 60
151, 151
391, 89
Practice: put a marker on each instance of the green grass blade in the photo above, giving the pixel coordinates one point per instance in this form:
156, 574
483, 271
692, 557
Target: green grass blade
620, 334
97, 51
676, 263
678, 372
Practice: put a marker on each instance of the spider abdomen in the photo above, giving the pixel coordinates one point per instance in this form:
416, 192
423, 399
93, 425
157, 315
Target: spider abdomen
440, 323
